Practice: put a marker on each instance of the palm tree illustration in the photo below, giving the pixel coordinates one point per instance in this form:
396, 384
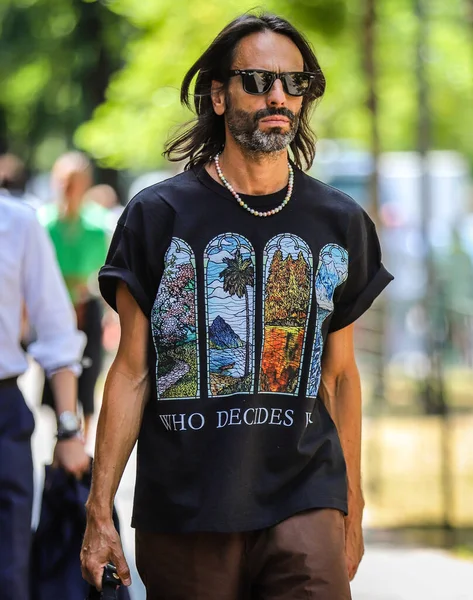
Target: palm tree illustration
237, 277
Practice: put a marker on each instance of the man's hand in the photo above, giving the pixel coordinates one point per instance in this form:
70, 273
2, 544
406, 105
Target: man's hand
102, 545
70, 455
354, 546
125, 395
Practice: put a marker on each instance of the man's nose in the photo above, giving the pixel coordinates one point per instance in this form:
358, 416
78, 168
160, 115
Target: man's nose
276, 95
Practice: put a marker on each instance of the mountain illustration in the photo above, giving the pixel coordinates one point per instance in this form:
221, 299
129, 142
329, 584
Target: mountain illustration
222, 335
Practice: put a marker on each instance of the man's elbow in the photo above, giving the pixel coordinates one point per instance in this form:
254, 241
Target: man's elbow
134, 371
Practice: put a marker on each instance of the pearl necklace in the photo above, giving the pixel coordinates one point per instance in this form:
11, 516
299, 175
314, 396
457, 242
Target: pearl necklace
254, 212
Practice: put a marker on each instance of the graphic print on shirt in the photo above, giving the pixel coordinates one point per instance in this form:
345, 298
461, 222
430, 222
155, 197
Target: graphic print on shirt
174, 325
229, 264
331, 272
287, 297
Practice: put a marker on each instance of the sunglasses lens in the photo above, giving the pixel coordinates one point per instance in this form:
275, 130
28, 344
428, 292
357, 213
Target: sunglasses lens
257, 83
297, 84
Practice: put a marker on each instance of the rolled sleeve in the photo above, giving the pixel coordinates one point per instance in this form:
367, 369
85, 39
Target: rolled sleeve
58, 343
108, 278
136, 253
367, 276
346, 314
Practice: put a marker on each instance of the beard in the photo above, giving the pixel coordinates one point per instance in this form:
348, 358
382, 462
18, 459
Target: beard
244, 127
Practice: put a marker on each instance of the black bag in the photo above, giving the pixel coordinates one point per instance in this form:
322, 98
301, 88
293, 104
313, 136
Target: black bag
110, 583
55, 556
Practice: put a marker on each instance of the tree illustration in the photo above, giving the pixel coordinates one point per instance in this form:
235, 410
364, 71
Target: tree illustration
276, 287
287, 291
238, 275
176, 304
301, 285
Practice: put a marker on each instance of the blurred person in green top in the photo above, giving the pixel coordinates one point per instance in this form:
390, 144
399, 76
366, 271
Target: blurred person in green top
78, 230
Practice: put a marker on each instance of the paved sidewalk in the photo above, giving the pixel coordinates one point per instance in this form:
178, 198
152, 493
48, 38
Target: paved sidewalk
386, 573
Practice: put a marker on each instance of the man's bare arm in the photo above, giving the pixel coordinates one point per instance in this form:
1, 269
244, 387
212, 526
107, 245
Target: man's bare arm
125, 396
341, 392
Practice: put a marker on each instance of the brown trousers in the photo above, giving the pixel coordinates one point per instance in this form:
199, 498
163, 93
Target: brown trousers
300, 558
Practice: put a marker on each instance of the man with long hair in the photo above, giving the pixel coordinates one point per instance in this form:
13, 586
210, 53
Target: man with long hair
237, 284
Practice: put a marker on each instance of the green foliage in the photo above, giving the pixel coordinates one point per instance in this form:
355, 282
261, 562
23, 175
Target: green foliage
143, 100
58, 57
237, 275
56, 60
330, 18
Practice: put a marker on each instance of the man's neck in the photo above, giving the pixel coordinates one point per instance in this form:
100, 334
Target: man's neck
255, 175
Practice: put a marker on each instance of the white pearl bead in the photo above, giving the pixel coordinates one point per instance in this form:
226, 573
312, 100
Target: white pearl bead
243, 204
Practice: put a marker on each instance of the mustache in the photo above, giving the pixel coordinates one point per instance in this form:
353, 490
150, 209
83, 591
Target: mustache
271, 112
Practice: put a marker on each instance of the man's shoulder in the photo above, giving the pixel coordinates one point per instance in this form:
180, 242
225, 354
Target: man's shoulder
165, 189
14, 212
159, 198
330, 197
154, 206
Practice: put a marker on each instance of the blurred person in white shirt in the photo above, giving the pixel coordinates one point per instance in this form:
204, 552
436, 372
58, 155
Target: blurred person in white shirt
30, 277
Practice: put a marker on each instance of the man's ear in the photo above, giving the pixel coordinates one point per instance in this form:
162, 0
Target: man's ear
218, 97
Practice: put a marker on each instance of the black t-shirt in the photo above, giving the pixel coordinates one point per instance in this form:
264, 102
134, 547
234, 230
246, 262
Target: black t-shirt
234, 436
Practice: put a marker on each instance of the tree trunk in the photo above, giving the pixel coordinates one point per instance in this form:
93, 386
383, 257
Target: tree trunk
369, 28
434, 397
91, 29
247, 352
376, 319
3, 131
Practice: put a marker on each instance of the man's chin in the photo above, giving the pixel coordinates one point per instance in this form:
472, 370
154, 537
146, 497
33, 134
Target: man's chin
274, 140
264, 142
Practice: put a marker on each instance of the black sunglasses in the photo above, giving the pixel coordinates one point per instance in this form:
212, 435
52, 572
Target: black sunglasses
258, 81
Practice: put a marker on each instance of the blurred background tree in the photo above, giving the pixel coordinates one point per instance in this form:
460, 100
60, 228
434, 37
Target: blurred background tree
142, 100
109, 72
57, 60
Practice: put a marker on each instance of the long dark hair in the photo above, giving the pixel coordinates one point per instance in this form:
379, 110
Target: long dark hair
204, 136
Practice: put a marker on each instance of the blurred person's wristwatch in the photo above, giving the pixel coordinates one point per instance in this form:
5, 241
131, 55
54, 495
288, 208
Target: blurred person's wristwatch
68, 426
